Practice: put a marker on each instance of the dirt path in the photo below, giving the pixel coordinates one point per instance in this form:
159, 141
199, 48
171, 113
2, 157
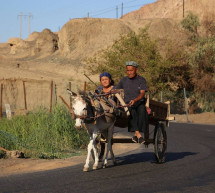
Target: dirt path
202, 118
19, 165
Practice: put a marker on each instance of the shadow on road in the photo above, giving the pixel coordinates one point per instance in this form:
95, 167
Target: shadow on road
150, 157
172, 156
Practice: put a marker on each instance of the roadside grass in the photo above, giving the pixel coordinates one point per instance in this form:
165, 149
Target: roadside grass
41, 134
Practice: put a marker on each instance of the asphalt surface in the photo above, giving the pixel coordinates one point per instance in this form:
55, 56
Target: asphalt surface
189, 167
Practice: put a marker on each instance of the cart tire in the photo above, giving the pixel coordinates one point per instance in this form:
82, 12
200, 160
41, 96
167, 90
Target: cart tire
160, 142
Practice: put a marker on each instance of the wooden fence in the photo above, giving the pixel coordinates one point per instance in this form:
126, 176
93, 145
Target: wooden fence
27, 94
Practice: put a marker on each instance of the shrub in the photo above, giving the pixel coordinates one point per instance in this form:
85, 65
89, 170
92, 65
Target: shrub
191, 24
161, 73
42, 134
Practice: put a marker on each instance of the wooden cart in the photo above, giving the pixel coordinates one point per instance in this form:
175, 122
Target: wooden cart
159, 118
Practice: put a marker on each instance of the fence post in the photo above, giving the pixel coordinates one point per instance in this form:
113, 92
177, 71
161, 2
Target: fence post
55, 92
70, 98
185, 102
1, 101
25, 102
161, 96
51, 96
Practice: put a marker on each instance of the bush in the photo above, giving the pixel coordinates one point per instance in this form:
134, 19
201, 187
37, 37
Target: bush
162, 73
191, 24
202, 62
42, 134
191, 67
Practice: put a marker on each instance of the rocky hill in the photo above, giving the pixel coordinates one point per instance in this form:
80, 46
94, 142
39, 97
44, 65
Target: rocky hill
174, 9
80, 38
56, 55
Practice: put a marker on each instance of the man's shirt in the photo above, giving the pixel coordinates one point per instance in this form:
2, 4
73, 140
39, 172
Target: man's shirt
132, 87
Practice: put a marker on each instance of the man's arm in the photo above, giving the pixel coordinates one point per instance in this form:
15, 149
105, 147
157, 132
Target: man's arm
141, 96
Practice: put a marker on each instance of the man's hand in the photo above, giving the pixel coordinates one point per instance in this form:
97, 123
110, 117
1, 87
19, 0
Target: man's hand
131, 102
141, 96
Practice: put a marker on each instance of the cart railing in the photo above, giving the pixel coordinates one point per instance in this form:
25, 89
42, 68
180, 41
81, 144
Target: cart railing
160, 111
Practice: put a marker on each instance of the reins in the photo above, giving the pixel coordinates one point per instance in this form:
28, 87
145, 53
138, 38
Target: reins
84, 117
74, 116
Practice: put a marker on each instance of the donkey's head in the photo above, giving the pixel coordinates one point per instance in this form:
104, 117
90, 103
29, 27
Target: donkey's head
79, 109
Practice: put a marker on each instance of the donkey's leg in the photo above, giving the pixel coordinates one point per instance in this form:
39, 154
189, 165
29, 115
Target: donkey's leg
109, 145
95, 150
112, 154
89, 149
104, 136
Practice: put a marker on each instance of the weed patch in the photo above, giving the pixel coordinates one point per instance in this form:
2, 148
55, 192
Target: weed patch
42, 134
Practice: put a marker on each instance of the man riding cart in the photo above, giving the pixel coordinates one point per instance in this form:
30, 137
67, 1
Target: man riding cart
135, 87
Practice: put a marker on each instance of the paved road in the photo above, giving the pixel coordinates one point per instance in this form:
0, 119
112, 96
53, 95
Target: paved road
189, 167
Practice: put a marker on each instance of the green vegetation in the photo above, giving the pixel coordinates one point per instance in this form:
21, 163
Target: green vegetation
191, 24
190, 66
43, 134
140, 48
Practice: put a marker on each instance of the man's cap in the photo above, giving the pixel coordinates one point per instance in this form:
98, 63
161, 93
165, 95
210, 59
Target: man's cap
132, 63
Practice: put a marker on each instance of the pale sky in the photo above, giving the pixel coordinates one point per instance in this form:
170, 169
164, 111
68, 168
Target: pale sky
53, 14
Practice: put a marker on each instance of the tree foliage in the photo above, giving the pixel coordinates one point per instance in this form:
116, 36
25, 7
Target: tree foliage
189, 66
191, 24
160, 73
202, 61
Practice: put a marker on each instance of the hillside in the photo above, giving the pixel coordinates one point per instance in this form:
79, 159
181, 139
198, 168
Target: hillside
61, 55
80, 38
174, 9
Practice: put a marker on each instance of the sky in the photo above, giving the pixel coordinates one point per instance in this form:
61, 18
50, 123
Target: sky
53, 14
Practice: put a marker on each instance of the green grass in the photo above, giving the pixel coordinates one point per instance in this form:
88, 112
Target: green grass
43, 135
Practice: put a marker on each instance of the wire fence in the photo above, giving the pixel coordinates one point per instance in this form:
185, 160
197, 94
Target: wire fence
17, 97
187, 102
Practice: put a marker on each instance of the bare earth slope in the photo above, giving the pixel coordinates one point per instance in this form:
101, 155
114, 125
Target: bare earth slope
61, 56
80, 38
173, 9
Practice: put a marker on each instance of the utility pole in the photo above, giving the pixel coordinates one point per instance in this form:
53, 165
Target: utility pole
117, 12
122, 10
20, 24
30, 16
185, 102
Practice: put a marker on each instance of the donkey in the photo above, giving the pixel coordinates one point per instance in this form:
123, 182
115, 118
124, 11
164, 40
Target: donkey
82, 106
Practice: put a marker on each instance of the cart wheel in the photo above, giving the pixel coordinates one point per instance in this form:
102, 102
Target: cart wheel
160, 142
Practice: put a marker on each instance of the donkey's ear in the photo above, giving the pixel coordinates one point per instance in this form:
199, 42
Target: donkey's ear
71, 93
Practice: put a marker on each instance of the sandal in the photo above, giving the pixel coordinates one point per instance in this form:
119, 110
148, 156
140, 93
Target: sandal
141, 140
134, 139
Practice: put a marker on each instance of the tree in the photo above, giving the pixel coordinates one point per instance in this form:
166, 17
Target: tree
202, 61
162, 73
191, 24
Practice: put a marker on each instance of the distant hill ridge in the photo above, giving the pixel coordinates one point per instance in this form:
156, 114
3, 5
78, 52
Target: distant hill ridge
174, 9
82, 38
